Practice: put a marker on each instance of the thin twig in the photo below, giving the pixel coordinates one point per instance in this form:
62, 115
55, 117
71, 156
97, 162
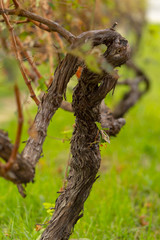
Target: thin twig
28, 58
5, 167
16, 22
59, 40
17, 54
19, 130
21, 21
113, 26
53, 26
44, 27
30, 75
16, 4
50, 56
40, 25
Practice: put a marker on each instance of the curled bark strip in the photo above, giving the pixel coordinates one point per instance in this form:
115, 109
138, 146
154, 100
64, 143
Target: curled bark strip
85, 160
135, 93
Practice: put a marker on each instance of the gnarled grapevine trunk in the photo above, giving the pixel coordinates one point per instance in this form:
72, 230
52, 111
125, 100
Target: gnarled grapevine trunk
85, 162
88, 94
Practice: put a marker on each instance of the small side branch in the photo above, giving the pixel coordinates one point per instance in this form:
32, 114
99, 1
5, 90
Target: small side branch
40, 25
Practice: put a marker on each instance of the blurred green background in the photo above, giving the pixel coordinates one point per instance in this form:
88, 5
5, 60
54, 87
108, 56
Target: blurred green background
125, 200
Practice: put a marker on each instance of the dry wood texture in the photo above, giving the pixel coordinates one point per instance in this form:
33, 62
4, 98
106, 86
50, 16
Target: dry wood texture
88, 94
87, 97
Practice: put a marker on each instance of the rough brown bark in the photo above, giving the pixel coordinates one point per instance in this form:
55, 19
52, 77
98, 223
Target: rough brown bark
51, 101
108, 121
85, 162
21, 170
49, 104
88, 94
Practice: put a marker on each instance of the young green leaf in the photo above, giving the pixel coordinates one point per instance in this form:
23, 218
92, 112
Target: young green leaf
92, 64
98, 125
42, 86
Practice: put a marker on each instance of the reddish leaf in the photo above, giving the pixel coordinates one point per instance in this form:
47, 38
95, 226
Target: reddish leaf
78, 73
142, 221
38, 227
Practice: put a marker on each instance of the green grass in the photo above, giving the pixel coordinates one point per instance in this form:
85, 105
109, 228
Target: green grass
128, 188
